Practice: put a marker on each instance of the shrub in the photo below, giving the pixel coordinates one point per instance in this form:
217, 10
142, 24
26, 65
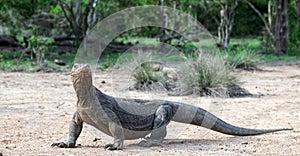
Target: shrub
243, 58
208, 75
40, 45
144, 75
145, 71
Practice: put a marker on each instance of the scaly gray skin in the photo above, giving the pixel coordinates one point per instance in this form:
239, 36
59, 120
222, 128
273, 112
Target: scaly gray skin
135, 118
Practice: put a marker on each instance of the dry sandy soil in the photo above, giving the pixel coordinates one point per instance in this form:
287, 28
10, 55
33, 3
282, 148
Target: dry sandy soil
35, 110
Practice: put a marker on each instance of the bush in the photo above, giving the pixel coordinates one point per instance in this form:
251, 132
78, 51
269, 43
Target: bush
144, 76
154, 71
144, 68
207, 75
40, 45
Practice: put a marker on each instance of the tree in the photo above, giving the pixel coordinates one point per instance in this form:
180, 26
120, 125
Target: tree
297, 9
268, 21
281, 27
80, 15
227, 15
19, 16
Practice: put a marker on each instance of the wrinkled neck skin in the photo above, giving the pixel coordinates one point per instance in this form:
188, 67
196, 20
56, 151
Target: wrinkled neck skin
84, 88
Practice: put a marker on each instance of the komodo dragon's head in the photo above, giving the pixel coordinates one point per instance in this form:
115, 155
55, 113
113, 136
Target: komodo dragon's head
81, 76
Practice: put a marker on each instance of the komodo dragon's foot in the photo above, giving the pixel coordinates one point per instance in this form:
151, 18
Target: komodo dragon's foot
63, 145
112, 147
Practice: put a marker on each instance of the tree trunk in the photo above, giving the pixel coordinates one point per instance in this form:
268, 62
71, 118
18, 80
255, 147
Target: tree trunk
78, 16
162, 31
281, 27
297, 8
227, 15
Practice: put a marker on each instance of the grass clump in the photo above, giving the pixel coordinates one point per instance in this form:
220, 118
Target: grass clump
153, 71
146, 75
145, 72
242, 58
207, 75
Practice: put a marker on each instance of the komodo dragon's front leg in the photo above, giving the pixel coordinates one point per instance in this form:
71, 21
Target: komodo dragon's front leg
163, 116
74, 132
116, 131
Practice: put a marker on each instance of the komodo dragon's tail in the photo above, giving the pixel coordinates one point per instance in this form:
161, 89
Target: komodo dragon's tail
205, 119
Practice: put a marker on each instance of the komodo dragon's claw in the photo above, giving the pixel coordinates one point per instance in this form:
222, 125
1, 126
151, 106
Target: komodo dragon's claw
111, 147
62, 145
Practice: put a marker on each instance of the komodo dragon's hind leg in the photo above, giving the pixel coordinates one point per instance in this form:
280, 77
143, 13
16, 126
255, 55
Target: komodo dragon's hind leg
163, 116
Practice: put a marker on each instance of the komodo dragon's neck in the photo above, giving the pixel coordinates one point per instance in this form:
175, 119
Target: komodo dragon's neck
85, 95
85, 91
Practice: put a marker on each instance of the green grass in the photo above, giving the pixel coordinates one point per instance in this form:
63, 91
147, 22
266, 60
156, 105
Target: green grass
68, 59
11, 66
141, 40
270, 58
251, 43
16, 62
12, 62
256, 46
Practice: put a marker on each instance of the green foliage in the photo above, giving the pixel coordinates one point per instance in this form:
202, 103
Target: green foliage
40, 45
40, 18
246, 21
56, 9
108, 59
17, 16
40, 42
294, 35
207, 74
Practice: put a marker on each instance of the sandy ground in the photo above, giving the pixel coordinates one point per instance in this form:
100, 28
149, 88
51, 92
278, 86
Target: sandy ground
35, 110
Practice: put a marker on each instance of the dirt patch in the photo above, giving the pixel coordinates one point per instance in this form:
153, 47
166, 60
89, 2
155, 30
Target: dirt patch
36, 108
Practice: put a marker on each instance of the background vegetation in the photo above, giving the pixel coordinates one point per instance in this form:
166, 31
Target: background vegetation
43, 35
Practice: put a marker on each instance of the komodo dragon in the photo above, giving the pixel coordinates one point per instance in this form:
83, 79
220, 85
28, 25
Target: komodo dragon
134, 118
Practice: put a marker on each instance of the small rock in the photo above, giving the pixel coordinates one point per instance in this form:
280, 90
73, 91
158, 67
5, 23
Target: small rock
59, 62
244, 143
11, 146
96, 139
